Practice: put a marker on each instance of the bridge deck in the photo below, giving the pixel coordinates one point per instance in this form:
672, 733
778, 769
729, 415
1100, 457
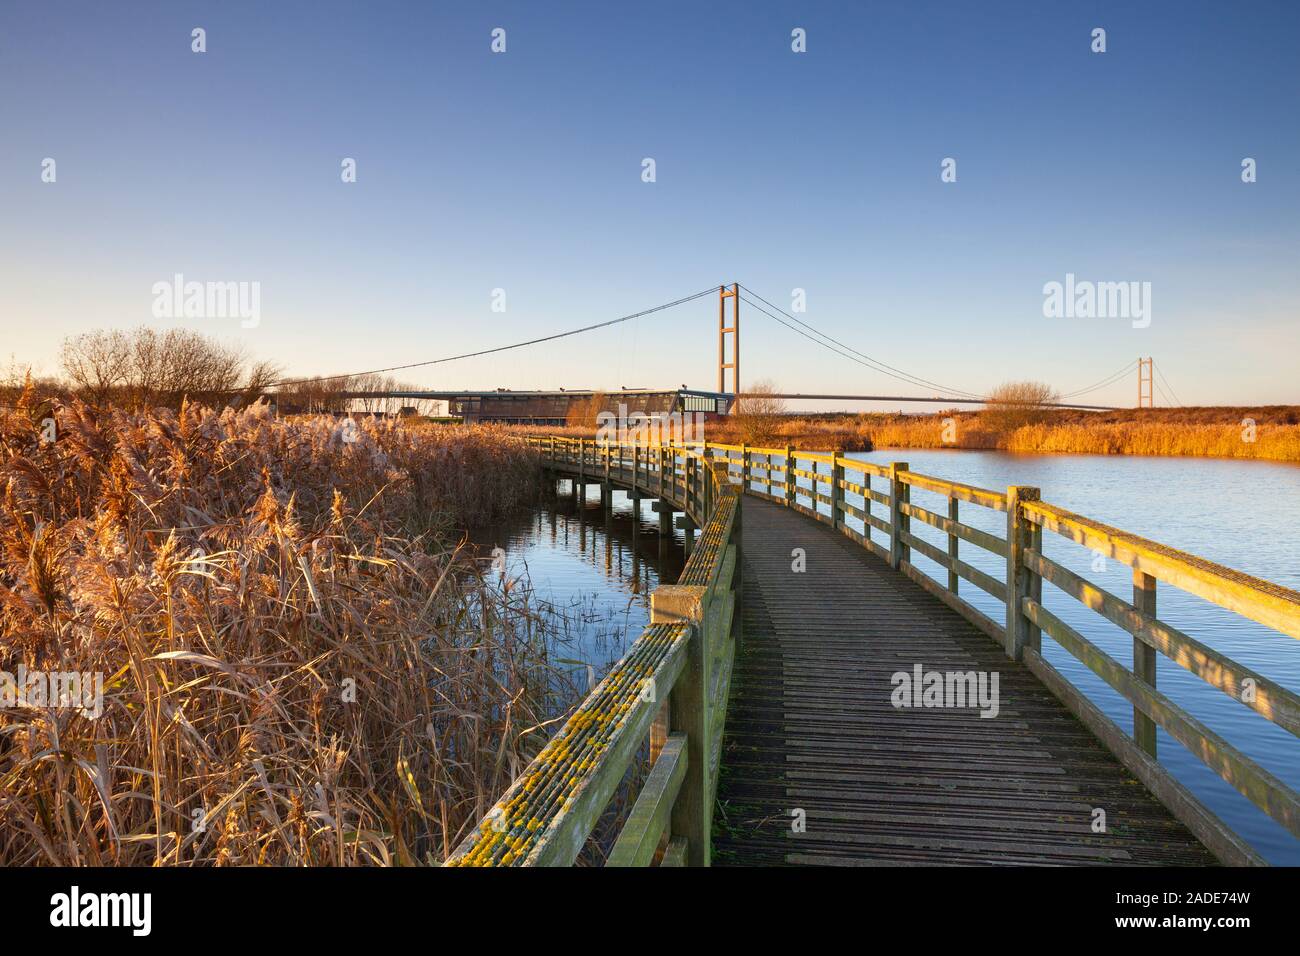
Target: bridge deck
810, 725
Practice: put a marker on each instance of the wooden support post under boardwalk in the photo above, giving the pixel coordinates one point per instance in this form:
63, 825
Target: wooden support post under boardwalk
607, 487
690, 713
1144, 661
1021, 632
898, 522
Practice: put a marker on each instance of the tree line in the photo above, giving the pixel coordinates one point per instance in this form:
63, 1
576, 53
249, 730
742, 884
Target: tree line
161, 368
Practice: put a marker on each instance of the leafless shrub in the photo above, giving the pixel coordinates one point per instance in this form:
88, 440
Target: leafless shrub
152, 368
1013, 405
758, 412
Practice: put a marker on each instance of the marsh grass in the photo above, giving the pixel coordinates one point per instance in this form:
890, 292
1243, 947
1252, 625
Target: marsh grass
301, 665
1211, 432
1270, 438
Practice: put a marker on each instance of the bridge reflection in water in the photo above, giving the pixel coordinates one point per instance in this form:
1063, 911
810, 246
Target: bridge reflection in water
821, 760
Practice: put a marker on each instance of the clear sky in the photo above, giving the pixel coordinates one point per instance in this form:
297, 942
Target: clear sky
523, 171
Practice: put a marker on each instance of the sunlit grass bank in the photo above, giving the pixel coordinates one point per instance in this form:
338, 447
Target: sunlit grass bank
1245, 437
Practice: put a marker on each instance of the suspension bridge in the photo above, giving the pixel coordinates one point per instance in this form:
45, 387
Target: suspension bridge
763, 704
550, 406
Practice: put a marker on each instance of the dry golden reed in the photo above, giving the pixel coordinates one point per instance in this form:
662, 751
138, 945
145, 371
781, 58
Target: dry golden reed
1264, 441
301, 667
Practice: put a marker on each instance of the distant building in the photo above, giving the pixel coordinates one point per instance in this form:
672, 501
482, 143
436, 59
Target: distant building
553, 408
535, 407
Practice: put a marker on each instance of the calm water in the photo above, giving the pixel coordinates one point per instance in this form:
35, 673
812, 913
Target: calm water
595, 572
1243, 514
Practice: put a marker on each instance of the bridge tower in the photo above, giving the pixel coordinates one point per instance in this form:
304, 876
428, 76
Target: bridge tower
1146, 383
734, 331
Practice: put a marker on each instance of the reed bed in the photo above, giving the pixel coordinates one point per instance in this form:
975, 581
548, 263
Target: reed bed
1270, 433
1270, 441
1266, 442
301, 665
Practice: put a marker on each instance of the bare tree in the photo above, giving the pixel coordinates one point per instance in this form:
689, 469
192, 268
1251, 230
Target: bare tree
758, 412
149, 367
1014, 404
96, 363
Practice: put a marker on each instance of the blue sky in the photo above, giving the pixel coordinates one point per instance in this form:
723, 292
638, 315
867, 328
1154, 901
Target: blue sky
522, 171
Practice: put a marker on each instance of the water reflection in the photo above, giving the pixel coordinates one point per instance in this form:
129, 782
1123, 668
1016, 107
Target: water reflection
595, 568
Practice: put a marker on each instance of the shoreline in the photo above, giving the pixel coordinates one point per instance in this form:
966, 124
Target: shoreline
1237, 434
1169, 433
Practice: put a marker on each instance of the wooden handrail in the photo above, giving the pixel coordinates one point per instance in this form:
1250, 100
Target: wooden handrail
1262, 601
691, 643
673, 683
1020, 591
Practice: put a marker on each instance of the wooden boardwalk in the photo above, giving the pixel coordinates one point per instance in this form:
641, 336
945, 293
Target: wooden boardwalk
810, 726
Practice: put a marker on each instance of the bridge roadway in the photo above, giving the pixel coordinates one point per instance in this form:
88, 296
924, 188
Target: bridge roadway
810, 726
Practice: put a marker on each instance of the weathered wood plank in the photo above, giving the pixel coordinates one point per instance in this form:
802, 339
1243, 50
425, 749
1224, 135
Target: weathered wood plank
1250, 779
1263, 601
639, 839
958, 604
811, 727
955, 489
675, 855
1229, 848
974, 575
975, 536
1267, 697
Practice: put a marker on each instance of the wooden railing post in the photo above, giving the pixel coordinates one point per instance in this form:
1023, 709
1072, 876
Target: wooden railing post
1021, 582
744, 467
866, 505
954, 579
707, 488
790, 484
689, 476
1144, 661
689, 711
837, 493
898, 522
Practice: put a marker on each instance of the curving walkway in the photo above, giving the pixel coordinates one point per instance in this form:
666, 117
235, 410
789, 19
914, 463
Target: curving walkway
810, 727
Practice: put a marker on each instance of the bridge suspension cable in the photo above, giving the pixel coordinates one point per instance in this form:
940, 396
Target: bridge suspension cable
1108, 380
503, 348
1176, 400
847, 351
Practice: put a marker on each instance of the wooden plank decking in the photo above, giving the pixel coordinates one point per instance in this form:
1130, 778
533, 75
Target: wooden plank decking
810, 726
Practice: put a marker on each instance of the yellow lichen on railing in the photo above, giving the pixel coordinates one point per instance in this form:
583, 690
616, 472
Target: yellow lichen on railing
520, 823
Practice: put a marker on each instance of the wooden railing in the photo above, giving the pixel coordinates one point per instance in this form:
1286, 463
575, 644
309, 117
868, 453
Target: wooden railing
673, 683
671, 686
775, 473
